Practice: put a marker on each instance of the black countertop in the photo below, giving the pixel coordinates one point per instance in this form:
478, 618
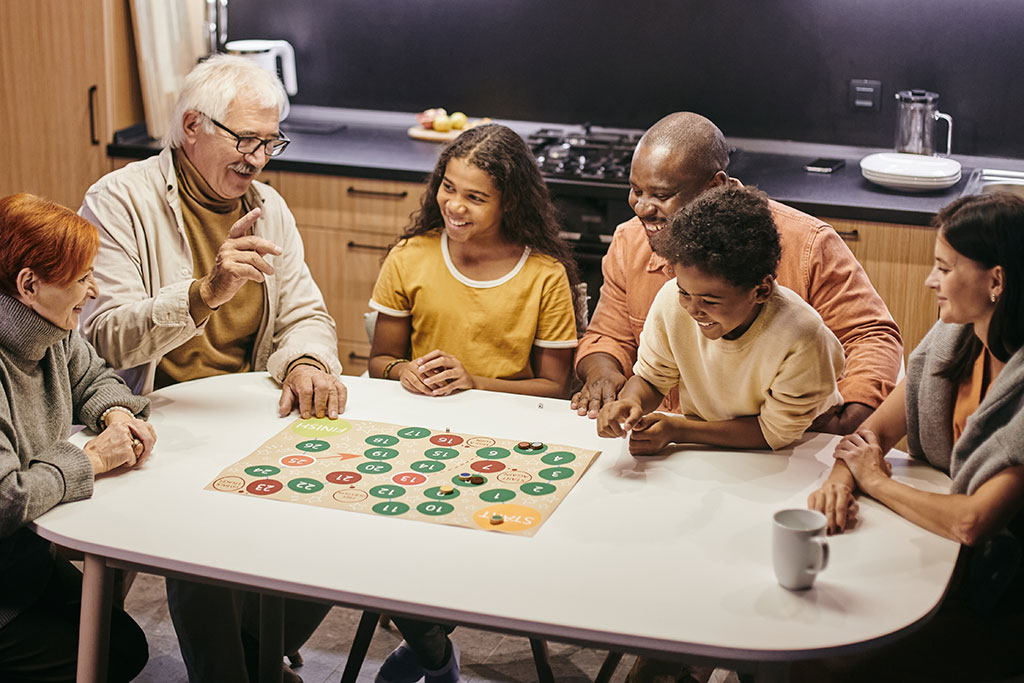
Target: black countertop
374, 144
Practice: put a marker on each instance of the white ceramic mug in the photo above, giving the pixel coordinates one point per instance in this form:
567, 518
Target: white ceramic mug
799, 548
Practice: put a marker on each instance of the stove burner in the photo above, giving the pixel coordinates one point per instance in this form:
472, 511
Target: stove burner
596, 156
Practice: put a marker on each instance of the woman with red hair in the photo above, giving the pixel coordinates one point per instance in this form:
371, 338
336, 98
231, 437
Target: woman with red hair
51, 378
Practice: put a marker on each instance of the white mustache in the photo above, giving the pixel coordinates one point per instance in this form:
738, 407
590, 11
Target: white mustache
243, 168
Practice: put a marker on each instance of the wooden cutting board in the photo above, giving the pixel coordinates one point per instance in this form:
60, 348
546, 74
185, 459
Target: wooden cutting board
418, 132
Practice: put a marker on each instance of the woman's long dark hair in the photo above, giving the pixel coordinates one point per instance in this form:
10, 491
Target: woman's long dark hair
989, 229
527, 216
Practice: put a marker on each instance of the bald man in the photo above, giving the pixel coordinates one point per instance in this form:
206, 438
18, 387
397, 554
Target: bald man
679, 158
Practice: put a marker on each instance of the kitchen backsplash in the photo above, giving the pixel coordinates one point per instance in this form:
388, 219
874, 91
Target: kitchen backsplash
759, 68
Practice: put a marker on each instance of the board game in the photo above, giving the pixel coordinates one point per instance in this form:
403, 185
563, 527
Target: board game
412, 473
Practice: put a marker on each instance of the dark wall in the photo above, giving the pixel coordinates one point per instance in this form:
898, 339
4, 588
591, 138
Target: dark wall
758, 68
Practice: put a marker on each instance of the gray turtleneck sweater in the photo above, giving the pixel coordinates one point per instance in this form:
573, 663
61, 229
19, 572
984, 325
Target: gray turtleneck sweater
51, 379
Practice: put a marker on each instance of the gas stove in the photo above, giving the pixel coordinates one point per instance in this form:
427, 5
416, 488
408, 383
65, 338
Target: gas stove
596, 157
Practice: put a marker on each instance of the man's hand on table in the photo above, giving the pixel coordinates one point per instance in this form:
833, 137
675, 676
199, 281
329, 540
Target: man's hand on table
603, 379
313, 392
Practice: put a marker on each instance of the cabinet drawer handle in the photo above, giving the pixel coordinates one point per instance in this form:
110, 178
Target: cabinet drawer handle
378, 193
353, 356
849, 235
357, 245
92, 115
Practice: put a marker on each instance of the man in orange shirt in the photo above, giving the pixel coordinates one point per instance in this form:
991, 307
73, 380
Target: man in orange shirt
679, 158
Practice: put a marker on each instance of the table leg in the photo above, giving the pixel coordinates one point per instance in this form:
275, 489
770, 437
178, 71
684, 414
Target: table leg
94, 625
271, 638
360, 644
540, 660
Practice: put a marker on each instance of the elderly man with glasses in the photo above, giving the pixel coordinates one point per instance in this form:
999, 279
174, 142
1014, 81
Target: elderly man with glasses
201, 272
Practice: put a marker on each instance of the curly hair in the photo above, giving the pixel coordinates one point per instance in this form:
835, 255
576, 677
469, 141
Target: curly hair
527, 216
728, 232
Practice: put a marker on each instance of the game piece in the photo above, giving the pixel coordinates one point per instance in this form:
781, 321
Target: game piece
536, 445
524, 445
497, 519
465, 476
447, 490
476, 479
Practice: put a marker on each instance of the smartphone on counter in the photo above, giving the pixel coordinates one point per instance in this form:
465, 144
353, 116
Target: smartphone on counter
823, 165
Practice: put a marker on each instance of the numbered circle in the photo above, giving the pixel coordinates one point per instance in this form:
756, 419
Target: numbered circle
441, 453
435, 509
488, 466
537, 488
446, 439
390, 508
320, 426
413, 432
346, 478
427, 466
382, 440
531, 451
494, 453
313, 445
558, 458
497, 495
435, 493
298, 460
456, 480
305, 485
556, 473
262, 470
381, 453
373, 467
409, 478
264, 487
387, 491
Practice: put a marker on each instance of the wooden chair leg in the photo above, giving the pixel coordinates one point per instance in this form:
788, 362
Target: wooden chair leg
541, 661
385, 622
360, 644
611, 662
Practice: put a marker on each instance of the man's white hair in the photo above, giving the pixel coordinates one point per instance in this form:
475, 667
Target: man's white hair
214, 84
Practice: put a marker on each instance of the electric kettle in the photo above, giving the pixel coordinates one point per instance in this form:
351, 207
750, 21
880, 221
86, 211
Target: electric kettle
915, 124
276, 56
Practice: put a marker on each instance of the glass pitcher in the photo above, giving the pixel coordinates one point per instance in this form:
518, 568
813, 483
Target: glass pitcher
915, 125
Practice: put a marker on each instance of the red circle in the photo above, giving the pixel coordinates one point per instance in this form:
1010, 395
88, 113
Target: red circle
297, 460
489, 466
446, 439
409, 478
343, 477
264, 487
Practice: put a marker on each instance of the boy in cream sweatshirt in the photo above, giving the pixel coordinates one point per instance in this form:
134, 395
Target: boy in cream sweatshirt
753, 362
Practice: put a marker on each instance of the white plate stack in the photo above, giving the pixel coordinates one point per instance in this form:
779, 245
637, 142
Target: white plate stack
910, 172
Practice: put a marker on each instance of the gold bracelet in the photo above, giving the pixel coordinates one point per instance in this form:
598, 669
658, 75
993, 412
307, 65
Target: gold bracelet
387, 368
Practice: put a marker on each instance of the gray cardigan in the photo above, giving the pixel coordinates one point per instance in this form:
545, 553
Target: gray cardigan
993, 438
51, 379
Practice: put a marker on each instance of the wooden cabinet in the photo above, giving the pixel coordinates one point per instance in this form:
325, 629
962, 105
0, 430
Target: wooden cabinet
67, 81
897, 258
346, 226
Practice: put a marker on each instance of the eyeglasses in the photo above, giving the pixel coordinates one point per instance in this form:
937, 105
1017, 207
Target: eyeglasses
248, 144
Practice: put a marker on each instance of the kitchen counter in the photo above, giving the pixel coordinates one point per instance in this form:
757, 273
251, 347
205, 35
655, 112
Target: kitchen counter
375, 144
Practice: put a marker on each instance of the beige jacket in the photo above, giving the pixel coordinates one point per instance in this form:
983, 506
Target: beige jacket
144, 270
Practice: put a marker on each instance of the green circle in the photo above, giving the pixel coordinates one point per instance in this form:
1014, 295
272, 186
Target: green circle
427, 466
459, 482
558, 458
537, 488
262, 470
435, 493
556, 473
321, 426
497, 495
414, 432
441, 453
390, 508
313, 445
382, 440
373, 467
530, 451
381, 453
305, 485
387, 491
493, 453
435, 509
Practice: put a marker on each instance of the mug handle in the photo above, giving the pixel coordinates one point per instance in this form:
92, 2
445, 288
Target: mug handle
949, 130
820, 555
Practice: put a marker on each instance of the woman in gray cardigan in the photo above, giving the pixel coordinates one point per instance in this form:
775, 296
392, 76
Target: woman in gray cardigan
51, 378
961, 408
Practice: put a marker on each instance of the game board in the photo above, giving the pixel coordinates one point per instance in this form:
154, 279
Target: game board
411, 472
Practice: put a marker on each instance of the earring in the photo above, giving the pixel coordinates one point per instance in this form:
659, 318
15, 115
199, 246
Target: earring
993, 298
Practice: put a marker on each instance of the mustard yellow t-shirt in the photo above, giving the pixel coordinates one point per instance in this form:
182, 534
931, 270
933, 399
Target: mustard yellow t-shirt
490, 326
783, 369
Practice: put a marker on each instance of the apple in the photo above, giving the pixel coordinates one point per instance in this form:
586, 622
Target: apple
426, 117
458, 120
442, 123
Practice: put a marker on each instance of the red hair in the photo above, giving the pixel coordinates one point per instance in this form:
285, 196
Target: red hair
52, 240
